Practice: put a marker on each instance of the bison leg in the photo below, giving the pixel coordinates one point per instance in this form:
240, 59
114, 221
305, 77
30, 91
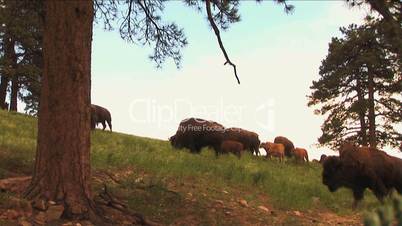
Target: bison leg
358, 194
257, 152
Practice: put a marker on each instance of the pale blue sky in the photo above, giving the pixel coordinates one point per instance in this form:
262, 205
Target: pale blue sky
277, 56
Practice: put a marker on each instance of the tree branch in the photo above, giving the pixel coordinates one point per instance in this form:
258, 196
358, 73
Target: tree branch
218, 36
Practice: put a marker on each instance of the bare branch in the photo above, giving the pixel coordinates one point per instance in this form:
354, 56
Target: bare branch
218, 36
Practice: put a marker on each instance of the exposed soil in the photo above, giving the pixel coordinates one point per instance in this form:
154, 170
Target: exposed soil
189, 202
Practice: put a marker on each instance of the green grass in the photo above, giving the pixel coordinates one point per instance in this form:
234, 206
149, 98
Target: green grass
288, 185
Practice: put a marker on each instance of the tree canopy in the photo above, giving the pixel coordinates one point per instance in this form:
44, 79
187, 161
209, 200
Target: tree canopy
359, 90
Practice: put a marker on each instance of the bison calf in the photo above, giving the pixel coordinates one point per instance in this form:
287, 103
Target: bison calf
100, 115
300, 154
272, 149
230, 146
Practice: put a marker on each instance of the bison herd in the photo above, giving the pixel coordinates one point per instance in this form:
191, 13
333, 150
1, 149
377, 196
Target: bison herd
195, 134
356, 168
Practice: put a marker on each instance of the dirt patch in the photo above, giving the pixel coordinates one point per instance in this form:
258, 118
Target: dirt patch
193, 201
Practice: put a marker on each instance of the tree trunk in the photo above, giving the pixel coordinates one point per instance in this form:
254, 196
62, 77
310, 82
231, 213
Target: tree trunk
3, 92
371, 111
362, 113
14, 93
62, 166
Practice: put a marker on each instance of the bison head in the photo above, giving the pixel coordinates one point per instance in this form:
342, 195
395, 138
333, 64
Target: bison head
174, 142
332, 175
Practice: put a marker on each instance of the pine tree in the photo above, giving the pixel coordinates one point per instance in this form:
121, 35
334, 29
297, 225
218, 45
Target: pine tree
359, 90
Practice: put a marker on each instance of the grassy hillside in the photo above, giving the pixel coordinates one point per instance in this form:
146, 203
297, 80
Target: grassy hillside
162, 182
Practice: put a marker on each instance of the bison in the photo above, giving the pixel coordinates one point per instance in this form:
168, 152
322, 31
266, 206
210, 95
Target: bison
359, 168
249, 139
4, 106
230, 146
100, 115
196, 133
322, 158
300, 154
287, 143
272, 149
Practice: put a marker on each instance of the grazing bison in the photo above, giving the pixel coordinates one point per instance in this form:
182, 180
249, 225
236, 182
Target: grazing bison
195, 133
100, 115
4, 106
287, 143
322, 158
230, 146
272, 149
300, 154
359, 168
247, 138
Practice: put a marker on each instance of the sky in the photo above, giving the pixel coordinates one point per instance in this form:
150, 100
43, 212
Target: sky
277, 57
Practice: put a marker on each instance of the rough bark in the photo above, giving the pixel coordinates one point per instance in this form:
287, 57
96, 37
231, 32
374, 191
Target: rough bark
11, 58
9, 66
371, 111
3, 92
14, 93
62, 167
362, 114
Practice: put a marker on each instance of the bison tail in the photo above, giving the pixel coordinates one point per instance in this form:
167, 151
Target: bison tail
307, 157
109, 122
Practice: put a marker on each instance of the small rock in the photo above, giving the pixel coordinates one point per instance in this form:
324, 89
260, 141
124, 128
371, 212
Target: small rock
297, 213
225, 192
54, 212
220, 202
68, 224
24, 223
40, 218
78, 224
243, 202
52, 202
87, 223
189, 194
39, 204
263, 208
138, 180
228, 213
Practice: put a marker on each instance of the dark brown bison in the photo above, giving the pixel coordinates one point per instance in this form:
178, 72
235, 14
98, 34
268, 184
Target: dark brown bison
272, 149
322, 158
4, 106
300, 154
100, 115
249, 139
230, 146
196, 133
359, 168
287, 143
